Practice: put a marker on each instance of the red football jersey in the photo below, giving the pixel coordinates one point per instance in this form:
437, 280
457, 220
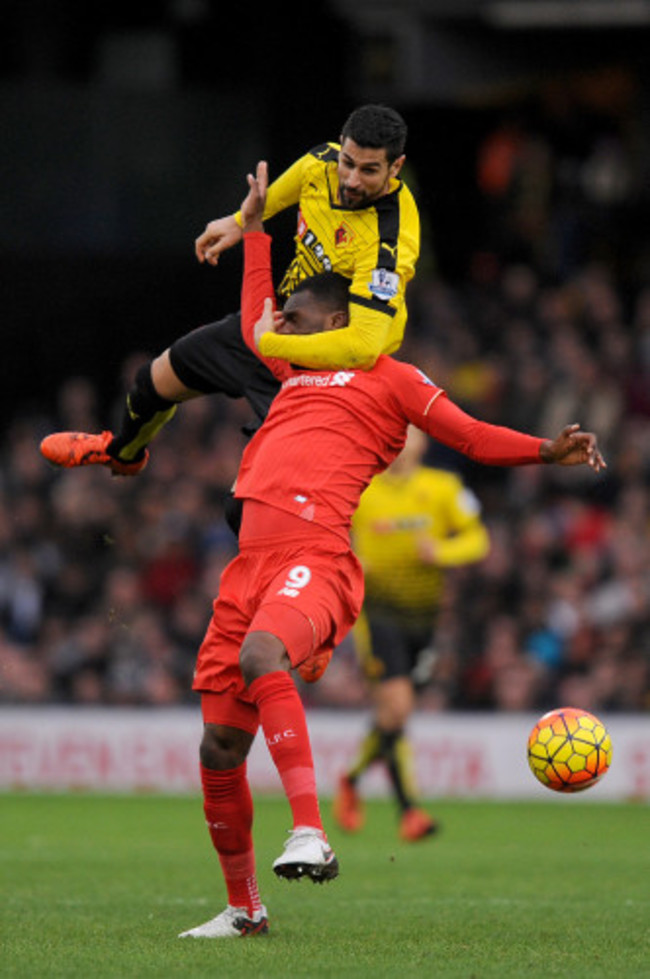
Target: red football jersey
329, 432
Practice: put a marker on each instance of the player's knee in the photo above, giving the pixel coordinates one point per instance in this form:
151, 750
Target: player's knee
262, 653
394, 703
223, 747
165, 382
144, 398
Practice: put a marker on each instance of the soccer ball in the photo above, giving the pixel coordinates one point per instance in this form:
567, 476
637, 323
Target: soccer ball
569, 750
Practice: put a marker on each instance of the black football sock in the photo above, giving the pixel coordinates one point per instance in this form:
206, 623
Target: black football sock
145, 413
397, 755
369, 751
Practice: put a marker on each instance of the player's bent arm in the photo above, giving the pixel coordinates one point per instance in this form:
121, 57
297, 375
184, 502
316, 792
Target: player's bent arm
470, 544
357, 345
258, 286
257, 295
377, 318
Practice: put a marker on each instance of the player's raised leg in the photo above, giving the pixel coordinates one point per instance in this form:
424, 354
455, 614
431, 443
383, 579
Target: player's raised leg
146, 411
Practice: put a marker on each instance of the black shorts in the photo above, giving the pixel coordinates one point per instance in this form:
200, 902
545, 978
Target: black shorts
214, 359
395, 646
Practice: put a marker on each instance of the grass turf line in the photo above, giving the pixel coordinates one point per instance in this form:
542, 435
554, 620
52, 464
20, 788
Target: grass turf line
100, 886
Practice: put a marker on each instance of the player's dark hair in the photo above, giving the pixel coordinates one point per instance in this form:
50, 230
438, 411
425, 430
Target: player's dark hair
377, 127
329, 288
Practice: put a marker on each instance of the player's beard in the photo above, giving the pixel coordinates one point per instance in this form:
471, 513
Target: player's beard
356, 201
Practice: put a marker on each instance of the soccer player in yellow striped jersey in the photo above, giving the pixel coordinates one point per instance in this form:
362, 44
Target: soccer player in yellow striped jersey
372, 240
356, 217
412, 523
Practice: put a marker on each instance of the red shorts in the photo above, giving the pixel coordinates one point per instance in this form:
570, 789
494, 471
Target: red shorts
308, 594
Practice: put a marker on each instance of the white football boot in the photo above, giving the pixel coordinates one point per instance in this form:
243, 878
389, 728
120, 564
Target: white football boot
307, 854
231, 923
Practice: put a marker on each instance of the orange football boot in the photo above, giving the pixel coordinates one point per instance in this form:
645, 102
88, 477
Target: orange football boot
415, 825
71, 449
347, 806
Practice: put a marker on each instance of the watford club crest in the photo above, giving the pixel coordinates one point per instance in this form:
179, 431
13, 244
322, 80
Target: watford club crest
343, 235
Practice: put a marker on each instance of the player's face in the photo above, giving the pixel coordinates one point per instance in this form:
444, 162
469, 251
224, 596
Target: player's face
364, 174
303, 314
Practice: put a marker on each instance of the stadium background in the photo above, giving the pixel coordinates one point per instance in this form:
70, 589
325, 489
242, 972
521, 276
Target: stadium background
127, 127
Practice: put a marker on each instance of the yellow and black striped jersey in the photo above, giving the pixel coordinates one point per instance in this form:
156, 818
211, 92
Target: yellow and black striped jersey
375, 247
396, 514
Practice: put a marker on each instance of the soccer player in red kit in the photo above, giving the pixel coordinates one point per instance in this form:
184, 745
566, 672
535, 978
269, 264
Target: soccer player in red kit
296, 587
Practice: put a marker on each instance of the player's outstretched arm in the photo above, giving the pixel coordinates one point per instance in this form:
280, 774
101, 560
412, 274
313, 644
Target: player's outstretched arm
572, 447
496, 445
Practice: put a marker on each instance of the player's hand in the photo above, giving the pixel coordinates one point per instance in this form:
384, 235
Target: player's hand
271, 321
219, 235
572, 447
426, 550
252, 207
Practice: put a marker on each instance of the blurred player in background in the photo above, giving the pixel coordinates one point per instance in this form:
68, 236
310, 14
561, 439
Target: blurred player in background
296, 586
413, 521
355, 217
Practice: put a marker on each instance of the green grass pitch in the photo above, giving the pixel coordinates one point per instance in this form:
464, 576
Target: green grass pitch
96, 887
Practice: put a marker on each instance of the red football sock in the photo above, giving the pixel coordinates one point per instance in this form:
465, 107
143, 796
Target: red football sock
228, 808
283, 721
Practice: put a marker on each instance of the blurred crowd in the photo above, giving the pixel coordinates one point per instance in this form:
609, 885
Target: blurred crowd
106, 584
